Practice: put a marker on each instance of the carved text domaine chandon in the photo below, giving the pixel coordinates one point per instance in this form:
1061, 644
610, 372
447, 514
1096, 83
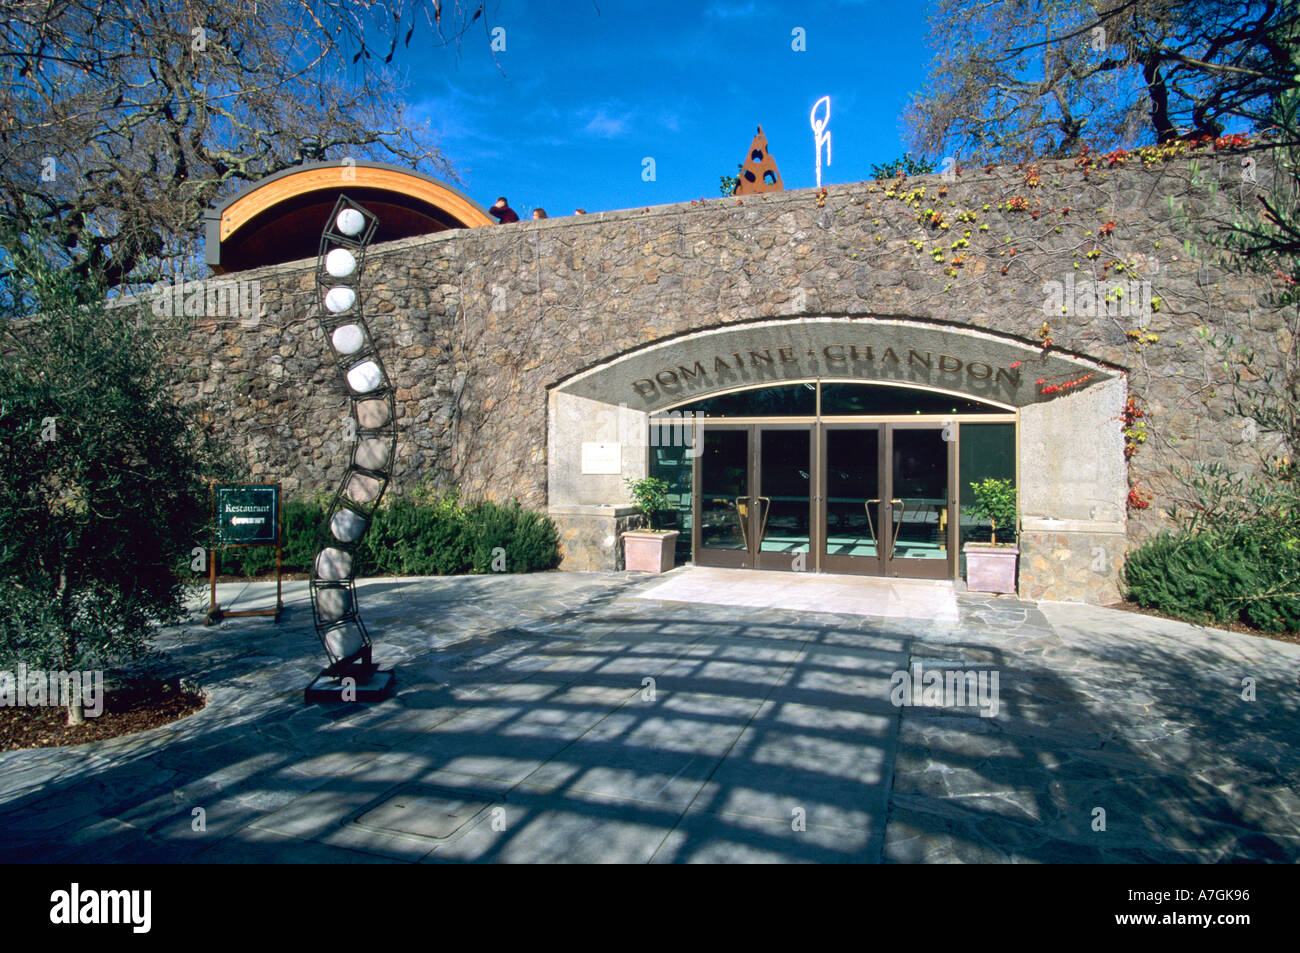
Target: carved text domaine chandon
838, 358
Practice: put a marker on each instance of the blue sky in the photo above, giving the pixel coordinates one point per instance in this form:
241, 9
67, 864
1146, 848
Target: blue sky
584, 91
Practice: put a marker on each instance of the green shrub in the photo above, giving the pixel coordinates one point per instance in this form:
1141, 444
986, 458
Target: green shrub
530, 540
416, 540
426, 533
995, 503
1250, 574
650, 497
302, 525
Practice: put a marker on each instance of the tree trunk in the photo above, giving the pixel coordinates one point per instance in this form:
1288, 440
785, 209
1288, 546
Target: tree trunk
76, 705
1159, 94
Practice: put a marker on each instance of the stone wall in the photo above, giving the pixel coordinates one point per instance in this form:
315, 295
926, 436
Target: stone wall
476, 325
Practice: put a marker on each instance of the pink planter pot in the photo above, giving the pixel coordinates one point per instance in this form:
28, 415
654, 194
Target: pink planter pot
649, 552
990, 568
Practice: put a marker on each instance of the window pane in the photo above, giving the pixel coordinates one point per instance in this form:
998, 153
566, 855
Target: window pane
786, 400
673, 466
842, 399
987, 451
724, 489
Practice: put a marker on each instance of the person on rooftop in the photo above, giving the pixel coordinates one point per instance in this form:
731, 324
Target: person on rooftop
502, 212
539, 213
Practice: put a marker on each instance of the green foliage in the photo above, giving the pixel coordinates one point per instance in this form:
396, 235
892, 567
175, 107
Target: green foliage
1237, 554
102, 474
650, 497
1250, 574
428, 493
995, 501
727, 184
904, 165
530, 540
302, 523
409, 538
426, 532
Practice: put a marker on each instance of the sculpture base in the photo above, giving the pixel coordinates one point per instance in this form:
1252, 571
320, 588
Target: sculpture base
329, 688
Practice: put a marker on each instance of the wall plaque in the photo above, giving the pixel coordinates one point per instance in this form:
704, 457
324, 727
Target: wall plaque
602, 458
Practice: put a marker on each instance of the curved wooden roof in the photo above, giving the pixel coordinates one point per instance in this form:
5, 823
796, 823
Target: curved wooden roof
280, 218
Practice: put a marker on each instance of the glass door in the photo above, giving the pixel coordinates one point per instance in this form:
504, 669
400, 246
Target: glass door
782, 504
869, 498
852, 506
723, 516
919, 480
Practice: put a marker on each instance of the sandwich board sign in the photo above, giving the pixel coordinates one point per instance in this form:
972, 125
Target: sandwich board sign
244, 514
247, 514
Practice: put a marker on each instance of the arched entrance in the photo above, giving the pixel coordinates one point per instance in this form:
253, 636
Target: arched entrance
841, 444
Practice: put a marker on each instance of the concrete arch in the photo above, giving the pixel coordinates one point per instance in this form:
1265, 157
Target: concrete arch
266, 223
867, 348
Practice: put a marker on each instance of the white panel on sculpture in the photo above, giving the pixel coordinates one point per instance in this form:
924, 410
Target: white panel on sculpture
347, 526
343, 642
372, 414
365, 377
350, 221
348, 338
333, 604
340, 299
372, 453
340, 263
333, 564
362, 488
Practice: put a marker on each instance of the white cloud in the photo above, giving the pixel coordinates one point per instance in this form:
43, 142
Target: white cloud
604, 126
733, 11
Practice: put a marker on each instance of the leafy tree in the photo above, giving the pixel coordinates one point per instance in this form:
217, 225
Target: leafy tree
1238, 555
904, 165
121, 122
727, 184
1265, 241
650, 497
995, 503
102, 492
1019, 79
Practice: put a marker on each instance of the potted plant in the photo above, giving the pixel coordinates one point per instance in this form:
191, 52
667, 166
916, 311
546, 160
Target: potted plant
991, 566
649, 549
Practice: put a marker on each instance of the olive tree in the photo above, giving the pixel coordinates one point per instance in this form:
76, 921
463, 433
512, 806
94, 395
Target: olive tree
102, 474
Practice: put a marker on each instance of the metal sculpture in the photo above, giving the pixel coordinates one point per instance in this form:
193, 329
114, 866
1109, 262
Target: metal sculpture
351, 675
821, 134
756, 168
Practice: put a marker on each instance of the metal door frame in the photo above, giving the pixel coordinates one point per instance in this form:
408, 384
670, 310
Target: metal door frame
946, 568
782, 561
702, 555
885, 565
855, 565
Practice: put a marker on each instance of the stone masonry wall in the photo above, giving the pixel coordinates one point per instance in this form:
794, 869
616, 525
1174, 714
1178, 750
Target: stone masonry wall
475, 325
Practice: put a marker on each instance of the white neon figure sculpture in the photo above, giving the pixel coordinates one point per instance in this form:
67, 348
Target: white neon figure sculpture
821, 135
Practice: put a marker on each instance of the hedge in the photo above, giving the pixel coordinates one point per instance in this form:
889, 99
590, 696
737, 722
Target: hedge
1245, 576
416, 539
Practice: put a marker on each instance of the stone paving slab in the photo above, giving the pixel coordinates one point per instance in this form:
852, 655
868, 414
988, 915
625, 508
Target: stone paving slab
810, 592
583, 717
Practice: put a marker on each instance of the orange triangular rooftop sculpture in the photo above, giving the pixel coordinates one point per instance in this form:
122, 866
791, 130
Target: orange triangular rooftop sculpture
759, 173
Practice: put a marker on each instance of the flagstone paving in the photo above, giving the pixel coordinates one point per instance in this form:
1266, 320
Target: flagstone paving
568, 717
